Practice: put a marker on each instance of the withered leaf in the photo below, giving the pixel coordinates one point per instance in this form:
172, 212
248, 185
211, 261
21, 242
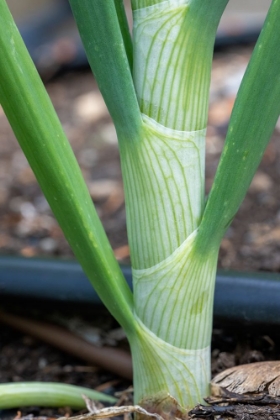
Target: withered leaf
254, 378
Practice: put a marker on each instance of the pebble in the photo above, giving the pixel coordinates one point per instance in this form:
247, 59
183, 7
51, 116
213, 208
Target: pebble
108, 134
90, 107
261, 182
88, 157
48, 245
27, 210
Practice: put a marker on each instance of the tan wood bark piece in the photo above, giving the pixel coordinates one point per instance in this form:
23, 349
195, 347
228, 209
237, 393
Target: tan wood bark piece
254, 378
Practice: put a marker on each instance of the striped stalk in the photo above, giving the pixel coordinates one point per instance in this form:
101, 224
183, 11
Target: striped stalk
163, 175
163, 172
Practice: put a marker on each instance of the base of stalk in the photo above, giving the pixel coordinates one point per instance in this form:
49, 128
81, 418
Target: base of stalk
168, 379
165, 406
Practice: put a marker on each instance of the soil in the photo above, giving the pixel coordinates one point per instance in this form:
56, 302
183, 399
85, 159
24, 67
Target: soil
28, 228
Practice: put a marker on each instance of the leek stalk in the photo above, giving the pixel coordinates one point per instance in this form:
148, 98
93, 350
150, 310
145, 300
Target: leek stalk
163, 171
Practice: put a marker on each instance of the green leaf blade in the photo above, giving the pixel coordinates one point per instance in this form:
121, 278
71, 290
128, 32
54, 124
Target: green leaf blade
41, 137
253, 119
99, 26
124, 27
47, 394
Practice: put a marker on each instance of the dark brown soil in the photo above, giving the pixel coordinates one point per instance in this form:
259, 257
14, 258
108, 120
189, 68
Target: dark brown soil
28, 228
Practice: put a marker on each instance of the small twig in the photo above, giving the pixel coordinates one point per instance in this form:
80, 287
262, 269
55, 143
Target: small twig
228, 397
95, 413
202, 411
125, 397
114, 360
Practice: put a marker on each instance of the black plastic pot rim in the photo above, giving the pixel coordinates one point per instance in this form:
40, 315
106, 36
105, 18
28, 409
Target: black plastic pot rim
241, 297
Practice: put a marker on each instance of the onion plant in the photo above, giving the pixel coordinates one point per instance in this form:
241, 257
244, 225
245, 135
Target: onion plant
156, 87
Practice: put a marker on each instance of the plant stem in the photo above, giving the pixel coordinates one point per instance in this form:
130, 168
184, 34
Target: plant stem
164, 184
174, 303
163, 172
172, 64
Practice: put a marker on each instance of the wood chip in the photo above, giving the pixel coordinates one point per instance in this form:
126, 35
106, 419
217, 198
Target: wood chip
237, 412
262, 377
